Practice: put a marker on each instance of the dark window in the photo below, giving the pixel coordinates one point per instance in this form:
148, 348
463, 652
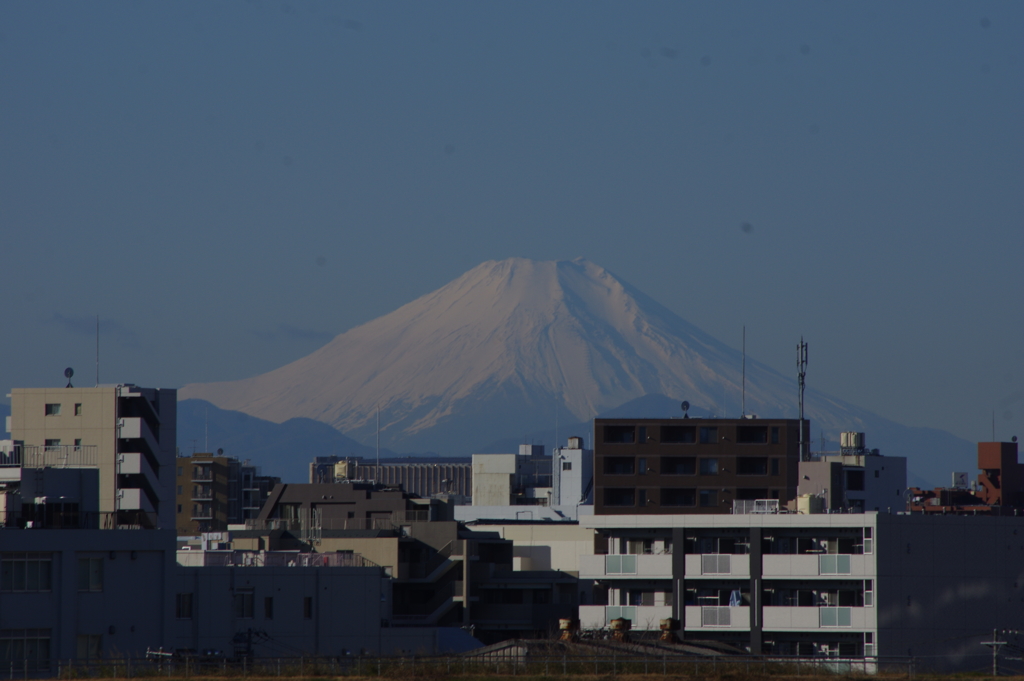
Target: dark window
855, 481
244, 604
642, 497
752, 435
24, 649
709, 466
752, 465
617, 496
618, 465
678, 497
641, 435
876, 474
268, 608
708, 435
90, 574
678, 435
775, 466
749, 493
642, 466
775, 435
678, 465
708, 497
619, 434
567, 465
25, 572
183, 606
307, 607
53, 410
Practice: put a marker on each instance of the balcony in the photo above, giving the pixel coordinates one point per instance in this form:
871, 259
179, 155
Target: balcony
734, 617
55, 456
202, 475
200, 494
809, 618
644, 617
717, 565
631, 566
817, 564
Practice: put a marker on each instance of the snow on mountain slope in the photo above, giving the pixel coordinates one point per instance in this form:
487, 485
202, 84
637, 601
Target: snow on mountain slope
498, 351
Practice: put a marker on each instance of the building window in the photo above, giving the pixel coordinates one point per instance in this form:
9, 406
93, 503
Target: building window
869, 542
751, 435
179, 508
53, 410
51, 443
25, 572
183, 607
752, 465
834, 564
618, 465
244, 599
708, 435
678, 465
709, 466
619, 434
708, 498
90, 646
855, 481
641, 434
678, 497
180, 471
268, 608
25, 649
78, 443
78, 409
642, 497
567, 465
619, 496
869, 593
775, 466
678, 435
642, 466
307, 607
90, 574
179, 490
775, 435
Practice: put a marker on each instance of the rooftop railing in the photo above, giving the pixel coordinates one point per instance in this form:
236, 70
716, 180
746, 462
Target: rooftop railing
50, 456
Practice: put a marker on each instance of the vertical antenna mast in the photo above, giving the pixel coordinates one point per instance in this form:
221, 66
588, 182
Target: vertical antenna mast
376, 472
743, 399
801, 372
97, 350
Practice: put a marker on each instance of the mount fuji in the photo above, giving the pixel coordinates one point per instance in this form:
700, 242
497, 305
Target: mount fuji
512, 346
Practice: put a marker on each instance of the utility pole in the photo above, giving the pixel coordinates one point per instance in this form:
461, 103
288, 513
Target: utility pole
994, 645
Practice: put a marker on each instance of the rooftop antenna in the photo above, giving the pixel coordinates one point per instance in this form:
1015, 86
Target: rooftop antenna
685, 407
801, 372
993, 425
206, 446
97, 349
68, 373
743, 401
376, 471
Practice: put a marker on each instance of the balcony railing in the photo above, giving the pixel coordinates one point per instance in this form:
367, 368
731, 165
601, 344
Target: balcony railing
52, 456
200, 494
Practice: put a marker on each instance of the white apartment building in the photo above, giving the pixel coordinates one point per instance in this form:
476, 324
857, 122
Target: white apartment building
864, 585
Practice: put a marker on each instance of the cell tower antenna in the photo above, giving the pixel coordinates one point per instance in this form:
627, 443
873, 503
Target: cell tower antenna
801, 373
743, 365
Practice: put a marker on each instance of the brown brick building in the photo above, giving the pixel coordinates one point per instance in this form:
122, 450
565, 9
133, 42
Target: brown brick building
653, 466
214, 491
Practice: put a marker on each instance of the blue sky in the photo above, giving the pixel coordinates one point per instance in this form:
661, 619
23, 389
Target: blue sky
228, 185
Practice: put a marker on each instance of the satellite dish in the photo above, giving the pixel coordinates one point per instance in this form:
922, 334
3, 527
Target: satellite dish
220, 451
68, 373
1013, 439
686, 407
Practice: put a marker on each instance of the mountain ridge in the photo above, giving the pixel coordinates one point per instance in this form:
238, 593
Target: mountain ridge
497, 352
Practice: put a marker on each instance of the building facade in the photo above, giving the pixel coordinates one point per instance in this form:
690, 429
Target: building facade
214, 491
861, 585
701, 466
125, 432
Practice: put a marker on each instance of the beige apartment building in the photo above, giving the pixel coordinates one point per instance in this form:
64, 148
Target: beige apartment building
124, 431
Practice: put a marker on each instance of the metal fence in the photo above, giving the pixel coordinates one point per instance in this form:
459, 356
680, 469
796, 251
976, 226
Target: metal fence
495, 663
504, 662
